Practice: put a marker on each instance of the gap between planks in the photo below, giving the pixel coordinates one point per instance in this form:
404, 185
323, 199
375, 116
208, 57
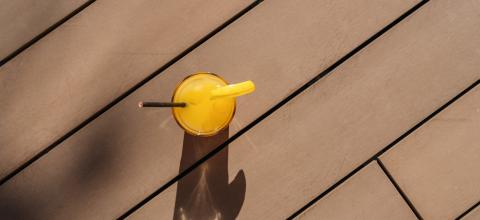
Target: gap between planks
466, 212
399, 190
43, 34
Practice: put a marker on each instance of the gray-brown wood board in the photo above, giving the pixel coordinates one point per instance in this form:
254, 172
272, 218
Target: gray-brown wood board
127, 153
437, 165
368, 194
22, 20
353, 113
89, 61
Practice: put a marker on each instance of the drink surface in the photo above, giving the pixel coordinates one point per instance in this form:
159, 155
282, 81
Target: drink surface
202, 115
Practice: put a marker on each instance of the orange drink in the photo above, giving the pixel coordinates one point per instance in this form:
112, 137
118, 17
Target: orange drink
209, 103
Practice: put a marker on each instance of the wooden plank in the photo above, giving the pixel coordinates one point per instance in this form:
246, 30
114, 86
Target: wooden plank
138, 150
22, 20
89, 61
157, 206
437, 166
366, 195
361, 107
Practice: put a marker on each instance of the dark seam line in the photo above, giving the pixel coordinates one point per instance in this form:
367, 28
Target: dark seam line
332, 187
395, 184
468, 211
271, 110
128, 92
44, 33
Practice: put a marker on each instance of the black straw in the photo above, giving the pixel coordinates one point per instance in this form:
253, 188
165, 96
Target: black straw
161, 104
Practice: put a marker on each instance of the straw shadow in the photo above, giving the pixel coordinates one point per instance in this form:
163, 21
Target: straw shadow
205, 193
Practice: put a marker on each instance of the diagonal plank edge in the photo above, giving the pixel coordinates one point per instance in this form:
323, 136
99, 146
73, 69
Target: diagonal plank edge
399, 190
471, 213
367, 195
351, 114
440, 161
38, 19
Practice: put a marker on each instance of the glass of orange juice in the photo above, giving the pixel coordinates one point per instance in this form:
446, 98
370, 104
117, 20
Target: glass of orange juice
204, 103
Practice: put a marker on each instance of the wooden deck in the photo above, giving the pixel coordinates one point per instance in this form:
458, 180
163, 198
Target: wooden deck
365, 109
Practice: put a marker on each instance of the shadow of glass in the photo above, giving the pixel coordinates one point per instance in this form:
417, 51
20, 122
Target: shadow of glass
205, 192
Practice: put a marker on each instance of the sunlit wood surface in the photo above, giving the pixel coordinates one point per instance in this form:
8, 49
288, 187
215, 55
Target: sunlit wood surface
395, 85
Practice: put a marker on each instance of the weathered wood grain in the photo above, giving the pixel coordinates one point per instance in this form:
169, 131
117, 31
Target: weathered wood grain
22, 20
438, 165
361, 107
127, 152
89, 61
366, 195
